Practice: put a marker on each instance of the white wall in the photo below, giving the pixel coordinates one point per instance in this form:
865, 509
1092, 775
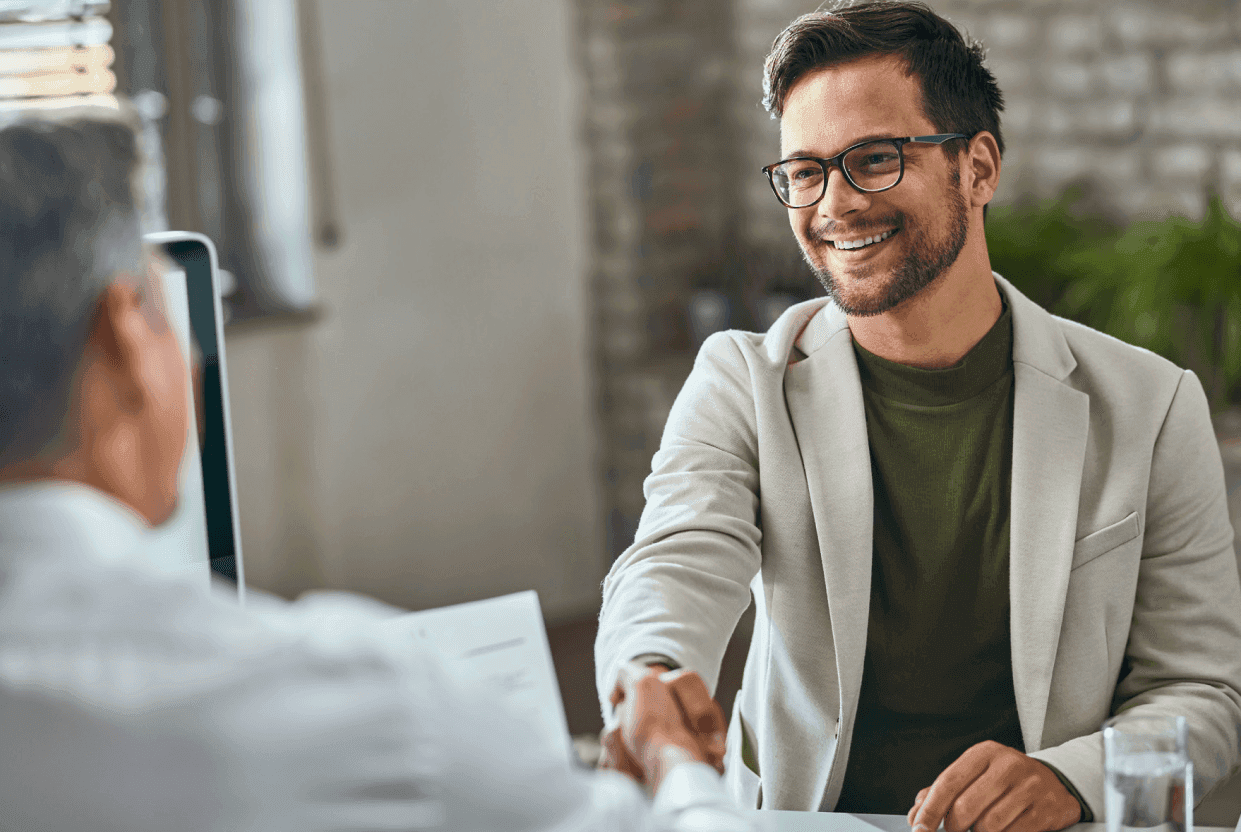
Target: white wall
431, 439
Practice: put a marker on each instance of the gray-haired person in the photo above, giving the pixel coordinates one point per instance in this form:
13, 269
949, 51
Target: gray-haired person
132, 699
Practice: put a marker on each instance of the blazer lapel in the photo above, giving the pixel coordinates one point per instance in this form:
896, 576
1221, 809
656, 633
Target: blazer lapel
824, 398
1050, 426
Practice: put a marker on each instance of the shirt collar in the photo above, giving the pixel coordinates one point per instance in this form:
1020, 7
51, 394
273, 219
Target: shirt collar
57, 519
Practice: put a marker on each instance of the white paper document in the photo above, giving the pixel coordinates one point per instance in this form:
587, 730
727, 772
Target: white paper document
497, 648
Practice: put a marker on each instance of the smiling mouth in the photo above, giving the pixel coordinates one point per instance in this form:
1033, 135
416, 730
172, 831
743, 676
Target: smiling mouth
853, 245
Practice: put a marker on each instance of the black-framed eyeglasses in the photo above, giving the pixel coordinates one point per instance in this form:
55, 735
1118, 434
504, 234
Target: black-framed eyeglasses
869, 166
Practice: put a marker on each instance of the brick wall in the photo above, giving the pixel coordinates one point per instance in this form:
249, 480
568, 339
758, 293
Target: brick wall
658, 87
1141, 97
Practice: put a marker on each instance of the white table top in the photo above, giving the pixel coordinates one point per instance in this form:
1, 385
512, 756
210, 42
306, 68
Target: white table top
840, 822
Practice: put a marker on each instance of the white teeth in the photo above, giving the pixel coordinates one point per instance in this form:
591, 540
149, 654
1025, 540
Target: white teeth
845, 245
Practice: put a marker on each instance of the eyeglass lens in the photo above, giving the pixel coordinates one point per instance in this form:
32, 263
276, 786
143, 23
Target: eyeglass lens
873, 166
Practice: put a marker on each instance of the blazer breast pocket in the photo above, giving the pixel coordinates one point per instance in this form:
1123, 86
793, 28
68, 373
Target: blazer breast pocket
1105, 540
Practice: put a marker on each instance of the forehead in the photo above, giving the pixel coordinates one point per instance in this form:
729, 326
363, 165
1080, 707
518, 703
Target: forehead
829, 109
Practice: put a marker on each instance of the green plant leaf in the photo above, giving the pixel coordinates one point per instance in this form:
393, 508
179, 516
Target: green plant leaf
1173, 286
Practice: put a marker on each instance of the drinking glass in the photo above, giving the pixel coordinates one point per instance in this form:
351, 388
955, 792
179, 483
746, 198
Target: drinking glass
1149, 783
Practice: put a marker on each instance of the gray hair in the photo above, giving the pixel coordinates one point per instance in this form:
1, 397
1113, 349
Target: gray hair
69, 226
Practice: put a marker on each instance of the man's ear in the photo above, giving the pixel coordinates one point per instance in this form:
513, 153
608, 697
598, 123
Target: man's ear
983, 164
116, 338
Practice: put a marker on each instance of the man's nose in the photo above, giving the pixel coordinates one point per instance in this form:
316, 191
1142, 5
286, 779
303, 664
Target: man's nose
841, 198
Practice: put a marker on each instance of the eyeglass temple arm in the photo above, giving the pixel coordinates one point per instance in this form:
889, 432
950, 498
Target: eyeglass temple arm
938, 138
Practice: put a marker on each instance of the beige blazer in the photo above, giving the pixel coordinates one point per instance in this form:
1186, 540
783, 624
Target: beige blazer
1123, 582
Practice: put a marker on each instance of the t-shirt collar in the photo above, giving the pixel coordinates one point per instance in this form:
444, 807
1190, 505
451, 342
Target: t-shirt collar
988, 360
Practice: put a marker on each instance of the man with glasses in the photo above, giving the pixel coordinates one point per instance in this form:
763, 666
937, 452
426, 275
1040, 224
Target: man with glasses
973, 531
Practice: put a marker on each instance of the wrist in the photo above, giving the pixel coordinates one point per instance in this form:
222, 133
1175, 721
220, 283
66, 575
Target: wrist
1084, 813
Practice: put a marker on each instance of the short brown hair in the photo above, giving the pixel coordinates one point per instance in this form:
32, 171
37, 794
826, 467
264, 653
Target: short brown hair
959, 93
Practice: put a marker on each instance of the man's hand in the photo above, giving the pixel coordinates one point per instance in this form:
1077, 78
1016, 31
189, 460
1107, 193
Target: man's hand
662, 717
993, 788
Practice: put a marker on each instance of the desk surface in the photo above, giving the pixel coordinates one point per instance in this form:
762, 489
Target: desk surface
840, 822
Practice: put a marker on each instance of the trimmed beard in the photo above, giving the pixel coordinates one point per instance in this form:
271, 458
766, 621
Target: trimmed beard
922, 266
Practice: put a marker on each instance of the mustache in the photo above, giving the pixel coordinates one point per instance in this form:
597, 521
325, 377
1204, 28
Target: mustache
833, 228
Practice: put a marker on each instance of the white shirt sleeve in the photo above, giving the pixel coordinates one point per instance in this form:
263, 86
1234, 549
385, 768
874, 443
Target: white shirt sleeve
135, 701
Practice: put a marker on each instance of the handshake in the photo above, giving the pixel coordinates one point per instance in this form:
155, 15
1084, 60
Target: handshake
661, 718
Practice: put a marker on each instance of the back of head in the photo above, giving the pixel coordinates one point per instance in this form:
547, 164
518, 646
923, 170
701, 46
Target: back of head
959, 94
69, 224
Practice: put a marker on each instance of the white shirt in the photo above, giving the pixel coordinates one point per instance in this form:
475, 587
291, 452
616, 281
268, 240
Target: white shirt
136, 699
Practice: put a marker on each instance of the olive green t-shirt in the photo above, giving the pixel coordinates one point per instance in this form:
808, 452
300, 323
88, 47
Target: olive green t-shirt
938, 670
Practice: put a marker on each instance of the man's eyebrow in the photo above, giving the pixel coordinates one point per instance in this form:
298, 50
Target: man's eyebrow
860, 140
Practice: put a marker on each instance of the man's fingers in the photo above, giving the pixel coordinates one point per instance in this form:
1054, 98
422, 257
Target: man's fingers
701, 712
1043, 803
992, 788
1004, 812
951, 782
1000, 787
985, 794
909, 818
617, 757
649, 712
672, 707
1029, 821
607, 758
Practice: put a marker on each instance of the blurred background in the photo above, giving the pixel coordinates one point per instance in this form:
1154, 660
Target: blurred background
473, 245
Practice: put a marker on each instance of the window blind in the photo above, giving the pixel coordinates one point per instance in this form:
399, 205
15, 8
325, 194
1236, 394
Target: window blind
55, 53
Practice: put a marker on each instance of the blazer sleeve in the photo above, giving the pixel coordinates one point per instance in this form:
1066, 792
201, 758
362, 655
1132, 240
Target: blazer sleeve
679, 590
1184, 651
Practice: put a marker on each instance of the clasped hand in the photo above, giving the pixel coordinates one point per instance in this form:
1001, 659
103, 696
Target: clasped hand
660, 718
663, 717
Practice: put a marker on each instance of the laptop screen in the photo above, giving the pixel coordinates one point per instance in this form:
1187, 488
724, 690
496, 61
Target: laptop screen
203, 532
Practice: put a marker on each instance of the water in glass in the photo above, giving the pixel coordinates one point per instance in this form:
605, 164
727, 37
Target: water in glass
1148, 777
